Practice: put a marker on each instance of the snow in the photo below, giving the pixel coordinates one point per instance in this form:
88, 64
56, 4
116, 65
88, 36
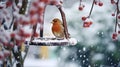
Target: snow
84, 48
102, 21
97, 57
111, 47
73, 41
40, 62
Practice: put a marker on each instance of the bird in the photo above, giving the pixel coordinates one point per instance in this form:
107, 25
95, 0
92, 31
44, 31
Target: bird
58, 28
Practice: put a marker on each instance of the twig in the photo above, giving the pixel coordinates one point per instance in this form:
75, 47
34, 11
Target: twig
10, 59
64, 23
80, 2
33, 32
26, 50
11, 23
24, 6
116, 22
16, 2
91, 8
117, 9
3, 21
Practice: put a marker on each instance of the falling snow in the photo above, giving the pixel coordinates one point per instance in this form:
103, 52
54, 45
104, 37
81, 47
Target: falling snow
92, 47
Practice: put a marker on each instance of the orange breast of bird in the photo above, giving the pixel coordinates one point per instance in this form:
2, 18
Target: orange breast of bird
57, 30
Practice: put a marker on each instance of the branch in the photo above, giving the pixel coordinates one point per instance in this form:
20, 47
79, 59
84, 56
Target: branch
26, 50
117, 9
3, 21
16, 2
33, 32
11, 23
80, 2
24, 6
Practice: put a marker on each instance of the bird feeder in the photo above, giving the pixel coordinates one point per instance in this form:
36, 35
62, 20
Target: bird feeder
52, 41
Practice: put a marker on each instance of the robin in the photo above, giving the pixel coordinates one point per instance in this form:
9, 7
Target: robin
57, 28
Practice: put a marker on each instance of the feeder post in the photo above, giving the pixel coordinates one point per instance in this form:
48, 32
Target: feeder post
64, 22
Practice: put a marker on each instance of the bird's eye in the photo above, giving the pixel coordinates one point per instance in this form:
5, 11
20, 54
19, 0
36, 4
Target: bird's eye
55, 20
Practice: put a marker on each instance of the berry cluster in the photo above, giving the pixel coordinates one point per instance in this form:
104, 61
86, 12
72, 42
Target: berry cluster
5, 42
87, 22
5, 45
20, 20
116, 14
38, 7
4, 54
98, 2
81, 6
114, 36
5, 4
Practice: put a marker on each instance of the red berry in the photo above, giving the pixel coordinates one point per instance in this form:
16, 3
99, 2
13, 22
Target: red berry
8, 3
40, 10
114, 36
36, 34
1, 7
45, 1
86, 25
1, 56
19, 42
35, 4
113, 14
26, 35
80, 8
84, 18
5, 44
95, 2
119, 32
32, 12
33, 21
12, 35
53, 2
90, 22
24, 22
6, 53
100, 4
40, 19
119, 16
21, 32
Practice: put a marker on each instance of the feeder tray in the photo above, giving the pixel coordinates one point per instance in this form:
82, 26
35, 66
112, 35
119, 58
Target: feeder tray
49, 42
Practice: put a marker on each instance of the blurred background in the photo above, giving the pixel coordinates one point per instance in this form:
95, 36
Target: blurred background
95, 47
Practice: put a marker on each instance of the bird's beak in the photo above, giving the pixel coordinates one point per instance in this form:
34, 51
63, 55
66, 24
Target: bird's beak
52, 22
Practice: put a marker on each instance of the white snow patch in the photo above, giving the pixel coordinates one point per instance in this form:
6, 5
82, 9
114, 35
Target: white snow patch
40, 63
97, 57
